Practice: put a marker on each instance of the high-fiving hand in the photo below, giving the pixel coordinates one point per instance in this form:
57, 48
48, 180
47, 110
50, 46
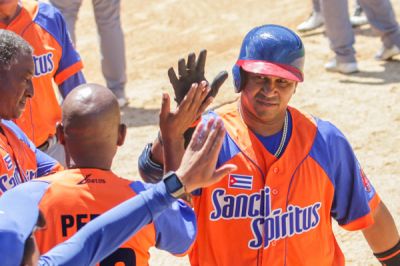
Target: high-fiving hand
197, 168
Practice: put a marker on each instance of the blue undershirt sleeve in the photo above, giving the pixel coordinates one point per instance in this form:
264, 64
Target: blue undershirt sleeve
175, 228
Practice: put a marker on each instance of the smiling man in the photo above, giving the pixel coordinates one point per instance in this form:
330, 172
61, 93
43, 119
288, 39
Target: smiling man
295, 172
20, 160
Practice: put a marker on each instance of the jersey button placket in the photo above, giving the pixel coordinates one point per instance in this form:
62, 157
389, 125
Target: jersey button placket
275, 191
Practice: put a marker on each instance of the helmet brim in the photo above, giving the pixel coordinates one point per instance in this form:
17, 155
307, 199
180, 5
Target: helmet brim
270, 68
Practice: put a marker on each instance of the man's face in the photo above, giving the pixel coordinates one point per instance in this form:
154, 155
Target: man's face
16, 87
264, 97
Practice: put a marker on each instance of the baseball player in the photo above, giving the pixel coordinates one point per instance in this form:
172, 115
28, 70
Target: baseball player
295, 172
112, 47
55, 60
91, 131
20, 160
19, 213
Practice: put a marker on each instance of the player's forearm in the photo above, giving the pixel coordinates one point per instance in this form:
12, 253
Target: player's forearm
173, 152
157, 153
383, 234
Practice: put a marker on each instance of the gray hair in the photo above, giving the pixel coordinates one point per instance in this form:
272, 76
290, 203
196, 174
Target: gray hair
12, 45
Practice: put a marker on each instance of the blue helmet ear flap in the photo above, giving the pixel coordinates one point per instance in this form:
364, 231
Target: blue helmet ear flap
237, 79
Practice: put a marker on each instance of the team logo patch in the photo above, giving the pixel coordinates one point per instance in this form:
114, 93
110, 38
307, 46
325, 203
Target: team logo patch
366, 183
240, 181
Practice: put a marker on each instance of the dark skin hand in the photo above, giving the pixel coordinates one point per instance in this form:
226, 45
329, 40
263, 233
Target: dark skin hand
190, 73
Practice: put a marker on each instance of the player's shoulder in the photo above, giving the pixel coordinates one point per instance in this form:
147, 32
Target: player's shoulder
330, 146
13, 127
48, 11
51, 20
34, 188
18, 133
328, 132
223, 111
40, 9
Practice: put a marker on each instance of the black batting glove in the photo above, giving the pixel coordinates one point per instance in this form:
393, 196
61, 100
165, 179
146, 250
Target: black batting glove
191, 72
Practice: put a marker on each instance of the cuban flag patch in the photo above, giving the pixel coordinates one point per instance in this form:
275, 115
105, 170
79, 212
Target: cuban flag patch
240, 181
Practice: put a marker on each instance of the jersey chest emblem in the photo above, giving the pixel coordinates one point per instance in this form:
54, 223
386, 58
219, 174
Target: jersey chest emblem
240, 181
266, 223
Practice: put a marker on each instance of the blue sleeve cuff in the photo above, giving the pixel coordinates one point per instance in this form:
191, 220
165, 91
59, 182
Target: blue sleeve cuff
150, 171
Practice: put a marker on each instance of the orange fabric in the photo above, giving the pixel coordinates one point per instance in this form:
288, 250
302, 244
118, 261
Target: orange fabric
390, 256
17, 162
63, 75
75, 197
366, 220
231, 232
43, 111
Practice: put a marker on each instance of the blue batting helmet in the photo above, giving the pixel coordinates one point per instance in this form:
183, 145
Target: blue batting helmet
270, 50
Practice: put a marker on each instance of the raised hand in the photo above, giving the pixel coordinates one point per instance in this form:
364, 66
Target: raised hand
197, 168
174, 123
191, 72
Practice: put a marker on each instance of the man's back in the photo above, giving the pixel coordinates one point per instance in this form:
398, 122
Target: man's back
77, 196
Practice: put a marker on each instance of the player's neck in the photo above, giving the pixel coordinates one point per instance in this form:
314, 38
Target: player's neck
89, 162
90, 165
261, 127
9, 11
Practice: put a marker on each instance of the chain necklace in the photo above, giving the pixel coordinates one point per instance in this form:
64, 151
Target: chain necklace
284, 133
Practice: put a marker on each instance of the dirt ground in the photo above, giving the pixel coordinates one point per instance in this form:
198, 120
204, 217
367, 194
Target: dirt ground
157, 33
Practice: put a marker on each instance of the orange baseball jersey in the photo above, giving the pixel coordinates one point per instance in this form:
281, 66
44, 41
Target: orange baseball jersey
20, 160
278, 211
55, 58
77, 196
